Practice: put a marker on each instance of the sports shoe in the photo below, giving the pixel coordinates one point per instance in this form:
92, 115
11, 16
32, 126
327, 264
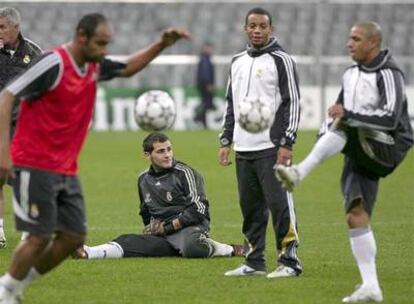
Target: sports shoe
364, 294
6, 297
288, 176
238, 250
2, 239
244, 270
283, 271
80, 253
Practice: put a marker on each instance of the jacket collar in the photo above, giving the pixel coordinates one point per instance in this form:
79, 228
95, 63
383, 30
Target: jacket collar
271, 46
383, 59
153, 172
21, 40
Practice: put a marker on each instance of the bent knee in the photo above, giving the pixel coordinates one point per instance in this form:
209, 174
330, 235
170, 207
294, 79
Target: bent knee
196, 249
357, 217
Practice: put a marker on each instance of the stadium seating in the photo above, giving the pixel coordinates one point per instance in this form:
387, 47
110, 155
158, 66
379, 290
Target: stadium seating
297, 27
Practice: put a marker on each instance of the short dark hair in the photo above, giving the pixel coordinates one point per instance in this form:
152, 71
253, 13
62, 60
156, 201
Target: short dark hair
151, 139
258, 11
88, 24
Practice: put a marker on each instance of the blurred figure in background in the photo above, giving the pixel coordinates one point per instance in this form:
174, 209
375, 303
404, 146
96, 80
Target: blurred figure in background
16, 54
205, 84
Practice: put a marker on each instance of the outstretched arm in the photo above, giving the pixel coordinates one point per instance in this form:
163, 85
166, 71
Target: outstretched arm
137, 61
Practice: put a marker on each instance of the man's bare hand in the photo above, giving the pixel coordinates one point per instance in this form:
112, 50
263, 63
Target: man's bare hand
284, 156
223, 156
336, 111
172, 35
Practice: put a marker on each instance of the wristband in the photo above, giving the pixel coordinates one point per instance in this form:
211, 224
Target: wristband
224, 142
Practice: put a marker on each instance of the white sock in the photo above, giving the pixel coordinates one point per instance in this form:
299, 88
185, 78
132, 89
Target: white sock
331, 143
364, 250
13, 285
111, 250
1, 223
220, 249
31, 276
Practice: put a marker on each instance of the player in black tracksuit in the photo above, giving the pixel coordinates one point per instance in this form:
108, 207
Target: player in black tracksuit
176, 193
16, 54
264, 71
13, 62
174, 209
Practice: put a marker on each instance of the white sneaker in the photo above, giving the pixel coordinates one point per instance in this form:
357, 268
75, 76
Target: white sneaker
2, 239
244, 270
282, 271
6, 297
364, 294
288, 176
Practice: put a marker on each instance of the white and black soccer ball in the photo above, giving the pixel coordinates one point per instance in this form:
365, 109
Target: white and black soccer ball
255, 115
155, 111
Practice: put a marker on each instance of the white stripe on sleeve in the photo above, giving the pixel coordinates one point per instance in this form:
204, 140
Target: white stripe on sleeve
293, 93
189, 175
34, 72
390, 92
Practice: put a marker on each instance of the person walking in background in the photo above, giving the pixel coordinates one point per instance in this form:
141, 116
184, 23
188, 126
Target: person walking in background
58, 93
373, 130
264, 71
16, 54
205, 84
174, 209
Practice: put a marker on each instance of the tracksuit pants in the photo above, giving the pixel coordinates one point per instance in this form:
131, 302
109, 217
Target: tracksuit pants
259, 193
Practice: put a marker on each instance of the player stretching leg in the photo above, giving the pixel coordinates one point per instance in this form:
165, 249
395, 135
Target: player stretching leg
374, 133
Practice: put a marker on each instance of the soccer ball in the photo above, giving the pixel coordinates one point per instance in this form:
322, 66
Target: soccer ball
155, 111
255, 115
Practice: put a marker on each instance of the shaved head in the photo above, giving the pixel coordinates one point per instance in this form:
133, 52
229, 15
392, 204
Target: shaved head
372, 31
364, 42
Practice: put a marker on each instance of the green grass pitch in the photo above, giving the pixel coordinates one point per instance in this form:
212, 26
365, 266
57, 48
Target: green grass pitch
109, 165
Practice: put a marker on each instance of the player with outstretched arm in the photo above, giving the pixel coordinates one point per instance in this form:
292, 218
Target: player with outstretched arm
16, 54
58, 94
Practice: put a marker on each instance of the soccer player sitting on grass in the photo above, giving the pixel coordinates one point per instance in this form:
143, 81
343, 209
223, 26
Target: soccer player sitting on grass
174, 208
374, 133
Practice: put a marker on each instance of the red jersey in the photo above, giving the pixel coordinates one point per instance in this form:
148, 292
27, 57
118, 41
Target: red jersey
52, 128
